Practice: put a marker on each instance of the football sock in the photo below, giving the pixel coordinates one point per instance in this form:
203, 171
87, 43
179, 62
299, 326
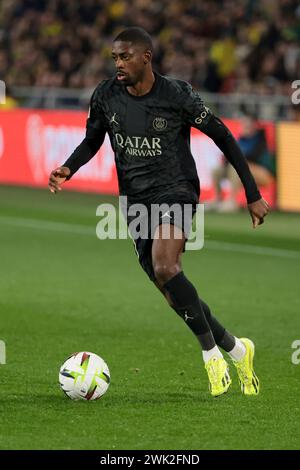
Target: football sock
227, 342
238, 351
217, 329
186, 303
223, 338
214, 352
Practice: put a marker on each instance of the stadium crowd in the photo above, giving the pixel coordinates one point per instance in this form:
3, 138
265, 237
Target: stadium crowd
224, 46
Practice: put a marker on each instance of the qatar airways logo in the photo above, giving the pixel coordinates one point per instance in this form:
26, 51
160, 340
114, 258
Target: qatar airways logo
139, 146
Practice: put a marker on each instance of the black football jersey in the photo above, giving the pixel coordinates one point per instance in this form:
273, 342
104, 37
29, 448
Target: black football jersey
150, 134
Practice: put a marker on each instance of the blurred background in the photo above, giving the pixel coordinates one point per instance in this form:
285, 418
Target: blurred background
243, 55
64, 290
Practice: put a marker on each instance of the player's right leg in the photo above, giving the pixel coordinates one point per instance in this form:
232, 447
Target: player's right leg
184, 299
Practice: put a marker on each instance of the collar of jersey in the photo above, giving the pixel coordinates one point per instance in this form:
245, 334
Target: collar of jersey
142, 97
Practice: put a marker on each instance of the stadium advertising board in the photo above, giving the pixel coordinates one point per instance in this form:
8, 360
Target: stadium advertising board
288, 166
34, 142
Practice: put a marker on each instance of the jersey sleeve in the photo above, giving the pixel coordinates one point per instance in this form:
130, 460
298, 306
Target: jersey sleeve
94, 137
199, 116
96, 123
195, 113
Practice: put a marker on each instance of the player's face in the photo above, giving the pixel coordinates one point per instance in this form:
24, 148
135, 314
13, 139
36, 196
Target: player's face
129, 61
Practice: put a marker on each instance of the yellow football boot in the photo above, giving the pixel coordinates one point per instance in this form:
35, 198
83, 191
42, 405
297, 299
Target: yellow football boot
247, 377
218, 376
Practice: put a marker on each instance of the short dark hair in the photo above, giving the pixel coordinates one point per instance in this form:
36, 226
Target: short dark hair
136, 36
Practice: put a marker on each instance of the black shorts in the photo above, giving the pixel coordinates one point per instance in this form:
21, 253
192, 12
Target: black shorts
175, 207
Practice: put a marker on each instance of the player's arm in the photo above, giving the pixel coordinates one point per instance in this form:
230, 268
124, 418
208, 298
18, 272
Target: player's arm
221, 135
95, 134
200, 117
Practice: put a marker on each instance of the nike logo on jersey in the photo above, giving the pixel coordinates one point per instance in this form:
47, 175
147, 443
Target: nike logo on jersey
166, 214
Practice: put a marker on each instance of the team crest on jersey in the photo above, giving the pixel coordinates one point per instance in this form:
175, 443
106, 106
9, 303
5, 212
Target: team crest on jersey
160, 124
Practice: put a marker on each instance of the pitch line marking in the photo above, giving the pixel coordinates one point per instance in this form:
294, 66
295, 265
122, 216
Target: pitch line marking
79, 229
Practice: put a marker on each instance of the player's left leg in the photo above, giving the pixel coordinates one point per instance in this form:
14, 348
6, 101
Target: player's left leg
166, 253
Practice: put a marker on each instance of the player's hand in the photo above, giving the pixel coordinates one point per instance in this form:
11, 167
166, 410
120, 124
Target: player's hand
57, 177
258, 210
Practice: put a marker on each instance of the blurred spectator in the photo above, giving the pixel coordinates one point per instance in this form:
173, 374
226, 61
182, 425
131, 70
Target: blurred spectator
10, 102
253, 144
218, 45
294, 113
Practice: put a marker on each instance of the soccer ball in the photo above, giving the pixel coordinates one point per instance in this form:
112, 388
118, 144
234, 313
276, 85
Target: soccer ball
85, 376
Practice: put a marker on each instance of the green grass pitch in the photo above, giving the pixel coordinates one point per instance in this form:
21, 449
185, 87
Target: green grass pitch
63, 290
